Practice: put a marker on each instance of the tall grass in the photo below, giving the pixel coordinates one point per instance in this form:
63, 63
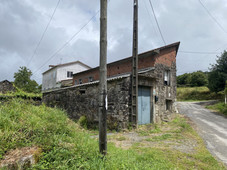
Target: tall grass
220, 107
196, 93
65, 145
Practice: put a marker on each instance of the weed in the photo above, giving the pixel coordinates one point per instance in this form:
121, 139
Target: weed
83, 121
66, 146
121, 138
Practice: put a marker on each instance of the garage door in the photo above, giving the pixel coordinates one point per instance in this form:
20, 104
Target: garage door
144, 105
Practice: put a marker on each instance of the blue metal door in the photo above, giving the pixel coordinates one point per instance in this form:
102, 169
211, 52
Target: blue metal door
144, 105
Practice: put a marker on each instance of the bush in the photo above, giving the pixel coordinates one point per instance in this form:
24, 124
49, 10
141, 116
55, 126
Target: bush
83, 121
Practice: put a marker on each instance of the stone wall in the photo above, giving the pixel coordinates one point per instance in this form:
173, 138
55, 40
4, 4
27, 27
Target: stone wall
83, 101
6, 86
164, 92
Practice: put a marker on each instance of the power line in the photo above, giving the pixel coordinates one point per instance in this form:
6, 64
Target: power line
149, 16
45, 30
67, 42
198, 52
157, 22
212, 16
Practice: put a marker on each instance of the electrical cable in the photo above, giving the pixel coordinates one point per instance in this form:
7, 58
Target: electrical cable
157, 22
220, 26
44, 32
198, 52
67, 42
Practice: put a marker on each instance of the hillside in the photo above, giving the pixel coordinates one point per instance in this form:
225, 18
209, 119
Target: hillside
65, 145
196, 94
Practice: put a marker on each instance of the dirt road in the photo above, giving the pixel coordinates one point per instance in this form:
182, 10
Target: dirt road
211, 126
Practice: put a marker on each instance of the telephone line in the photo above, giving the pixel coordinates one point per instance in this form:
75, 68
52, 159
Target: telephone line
67, 42
214, 19
198, 52
156, 20
43, 34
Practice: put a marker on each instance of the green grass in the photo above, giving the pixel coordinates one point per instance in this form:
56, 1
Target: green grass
196, 94
219, 107
65, 145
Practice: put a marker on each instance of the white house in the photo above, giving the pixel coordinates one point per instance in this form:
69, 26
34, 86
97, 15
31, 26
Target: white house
53, 77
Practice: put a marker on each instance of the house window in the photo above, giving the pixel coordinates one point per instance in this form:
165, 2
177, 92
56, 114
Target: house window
75, 82
90, 79
167, 78
69, 74
168, 104
80, 81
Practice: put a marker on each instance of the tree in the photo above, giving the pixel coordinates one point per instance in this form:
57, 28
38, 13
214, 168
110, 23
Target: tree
218, 75
198, 79
184, 79
23, 80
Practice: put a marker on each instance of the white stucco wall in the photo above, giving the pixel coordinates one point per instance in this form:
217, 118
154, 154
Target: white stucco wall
53, 77
49, 79
62, 71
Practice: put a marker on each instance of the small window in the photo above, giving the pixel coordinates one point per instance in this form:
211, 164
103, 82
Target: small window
75, 82
168, 104
90, 79
80, 81
69, 74
167, 78
82, 91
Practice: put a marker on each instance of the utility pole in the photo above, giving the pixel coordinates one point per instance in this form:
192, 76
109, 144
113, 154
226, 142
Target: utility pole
102, 79
134, 97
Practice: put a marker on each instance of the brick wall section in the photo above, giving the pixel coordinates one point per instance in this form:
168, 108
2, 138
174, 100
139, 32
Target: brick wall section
146, 60
166, 57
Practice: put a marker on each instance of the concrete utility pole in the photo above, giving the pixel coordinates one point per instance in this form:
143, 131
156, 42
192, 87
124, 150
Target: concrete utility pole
102, 79
134, 107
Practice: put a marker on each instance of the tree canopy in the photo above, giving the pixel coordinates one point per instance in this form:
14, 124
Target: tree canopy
198, 78
24, 82
218, 74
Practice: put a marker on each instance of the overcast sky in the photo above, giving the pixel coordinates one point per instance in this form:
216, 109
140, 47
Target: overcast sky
22, 23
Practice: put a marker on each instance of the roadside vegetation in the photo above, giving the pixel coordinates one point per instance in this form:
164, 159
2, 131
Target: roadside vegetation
197, 94
65, 144
219, 107
200, 85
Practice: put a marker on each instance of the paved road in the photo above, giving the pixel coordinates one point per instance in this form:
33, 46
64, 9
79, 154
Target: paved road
212, 127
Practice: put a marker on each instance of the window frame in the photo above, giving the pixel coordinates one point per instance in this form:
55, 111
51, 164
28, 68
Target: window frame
167, 82
69, 74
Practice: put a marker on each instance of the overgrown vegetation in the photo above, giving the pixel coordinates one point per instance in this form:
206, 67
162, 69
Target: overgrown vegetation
23, 81
197, 94
219, 107
175, 141
65, 145
195, 79
21, 94
218, 74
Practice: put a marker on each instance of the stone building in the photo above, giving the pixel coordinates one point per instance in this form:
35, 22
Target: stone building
6, 86
156, 90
